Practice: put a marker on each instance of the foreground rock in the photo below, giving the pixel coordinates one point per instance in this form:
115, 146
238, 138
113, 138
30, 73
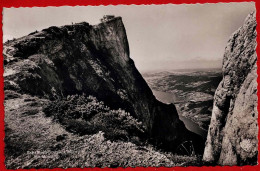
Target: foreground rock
232, 135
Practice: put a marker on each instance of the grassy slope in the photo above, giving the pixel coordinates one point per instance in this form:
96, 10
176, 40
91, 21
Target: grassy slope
35, 141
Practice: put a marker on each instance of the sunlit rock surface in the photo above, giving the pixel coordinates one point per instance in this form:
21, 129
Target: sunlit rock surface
232, 134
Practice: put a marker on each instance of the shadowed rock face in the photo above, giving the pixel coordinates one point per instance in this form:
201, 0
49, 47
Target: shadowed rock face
94, 60
232, 135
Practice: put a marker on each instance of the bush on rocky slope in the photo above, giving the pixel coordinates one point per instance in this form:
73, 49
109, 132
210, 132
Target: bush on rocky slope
36, 141
86, 115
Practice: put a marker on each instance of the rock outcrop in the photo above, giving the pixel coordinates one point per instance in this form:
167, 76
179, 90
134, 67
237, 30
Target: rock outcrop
232, 135
81, 58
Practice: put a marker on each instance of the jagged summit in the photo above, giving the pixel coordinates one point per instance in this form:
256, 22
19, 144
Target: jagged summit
107, 18
10, 46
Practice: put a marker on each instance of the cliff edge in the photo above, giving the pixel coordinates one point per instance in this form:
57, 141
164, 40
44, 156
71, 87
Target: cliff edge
232, 135
94, 60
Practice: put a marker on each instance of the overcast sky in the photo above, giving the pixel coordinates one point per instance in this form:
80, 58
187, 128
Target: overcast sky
161, 37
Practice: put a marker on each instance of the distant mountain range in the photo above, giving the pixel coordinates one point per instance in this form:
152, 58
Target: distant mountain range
191, 64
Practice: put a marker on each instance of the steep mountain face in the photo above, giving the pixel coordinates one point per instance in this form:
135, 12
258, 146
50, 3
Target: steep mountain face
94, 60
232, 135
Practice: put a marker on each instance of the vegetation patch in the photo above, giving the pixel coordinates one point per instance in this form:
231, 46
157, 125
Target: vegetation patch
37, 141
86, 115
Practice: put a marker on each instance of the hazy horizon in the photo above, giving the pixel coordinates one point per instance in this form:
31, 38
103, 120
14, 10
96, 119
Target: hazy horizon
161, 37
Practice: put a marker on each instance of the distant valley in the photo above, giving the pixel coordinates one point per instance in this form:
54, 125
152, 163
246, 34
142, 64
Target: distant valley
191, 91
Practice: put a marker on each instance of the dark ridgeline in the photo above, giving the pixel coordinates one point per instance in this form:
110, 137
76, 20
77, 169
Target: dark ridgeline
80, 58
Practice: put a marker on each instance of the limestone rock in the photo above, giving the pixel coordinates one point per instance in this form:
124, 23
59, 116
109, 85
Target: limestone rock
232, 134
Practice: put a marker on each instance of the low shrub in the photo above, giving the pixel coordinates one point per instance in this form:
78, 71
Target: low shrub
9, 94
86, 115
31, 112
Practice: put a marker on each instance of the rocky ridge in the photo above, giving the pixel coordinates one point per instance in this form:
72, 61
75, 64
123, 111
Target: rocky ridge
232, 135
94, 60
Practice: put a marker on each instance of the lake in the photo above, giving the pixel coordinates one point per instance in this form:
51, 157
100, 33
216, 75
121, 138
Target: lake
166, 97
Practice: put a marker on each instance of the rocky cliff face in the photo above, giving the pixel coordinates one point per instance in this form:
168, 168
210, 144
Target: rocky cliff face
94, 60
232, 135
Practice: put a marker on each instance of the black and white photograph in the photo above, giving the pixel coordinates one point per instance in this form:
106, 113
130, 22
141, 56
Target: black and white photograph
130, 86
